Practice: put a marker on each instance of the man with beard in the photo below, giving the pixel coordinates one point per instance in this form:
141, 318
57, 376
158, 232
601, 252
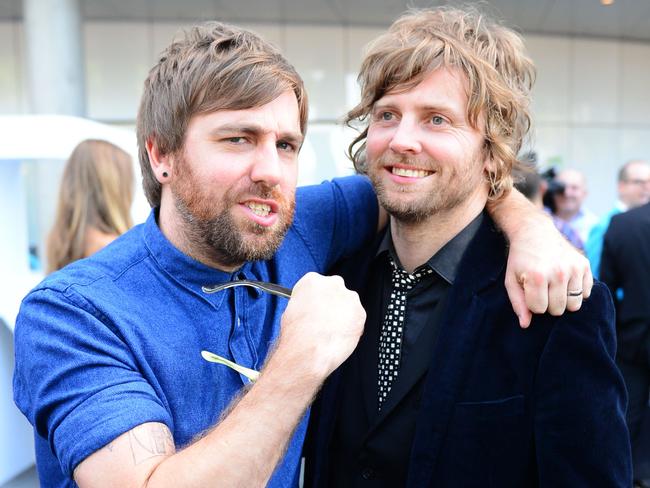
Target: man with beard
444, 389
109, 366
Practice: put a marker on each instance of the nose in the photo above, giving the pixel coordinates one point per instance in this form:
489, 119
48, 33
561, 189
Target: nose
405, 139
266, 167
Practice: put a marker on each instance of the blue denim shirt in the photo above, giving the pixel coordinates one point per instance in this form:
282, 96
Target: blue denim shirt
114, 341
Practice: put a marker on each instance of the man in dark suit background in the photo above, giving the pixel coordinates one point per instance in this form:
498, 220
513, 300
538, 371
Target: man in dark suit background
444, 388
625, 265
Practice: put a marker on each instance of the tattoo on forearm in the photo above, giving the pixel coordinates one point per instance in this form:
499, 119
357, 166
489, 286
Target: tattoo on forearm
148, 441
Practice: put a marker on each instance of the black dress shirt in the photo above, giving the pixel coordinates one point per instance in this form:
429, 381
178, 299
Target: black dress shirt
354, 461
423, 298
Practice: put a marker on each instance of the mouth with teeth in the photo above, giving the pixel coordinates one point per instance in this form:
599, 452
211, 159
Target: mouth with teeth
263, 213
410, 172
261, 209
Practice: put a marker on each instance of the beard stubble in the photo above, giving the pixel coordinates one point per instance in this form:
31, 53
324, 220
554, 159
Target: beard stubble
211, 231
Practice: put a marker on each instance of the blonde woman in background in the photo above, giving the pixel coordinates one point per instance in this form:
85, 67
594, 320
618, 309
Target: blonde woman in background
94, 202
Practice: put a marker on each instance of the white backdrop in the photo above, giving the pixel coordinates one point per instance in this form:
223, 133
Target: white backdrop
591, 106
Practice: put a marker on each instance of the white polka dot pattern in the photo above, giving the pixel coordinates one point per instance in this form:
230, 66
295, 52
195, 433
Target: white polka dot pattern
392, 330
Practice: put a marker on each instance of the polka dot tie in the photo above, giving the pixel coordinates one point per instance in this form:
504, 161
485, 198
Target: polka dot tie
392, 330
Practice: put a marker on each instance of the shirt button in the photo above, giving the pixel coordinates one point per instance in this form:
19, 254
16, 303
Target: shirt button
368, 473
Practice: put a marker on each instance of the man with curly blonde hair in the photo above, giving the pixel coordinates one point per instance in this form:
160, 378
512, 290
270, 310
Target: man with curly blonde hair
444, 389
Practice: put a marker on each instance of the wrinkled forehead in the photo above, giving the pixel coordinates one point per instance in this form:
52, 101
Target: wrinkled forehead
280, 116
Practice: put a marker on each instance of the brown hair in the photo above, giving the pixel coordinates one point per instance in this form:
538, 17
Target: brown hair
499, 74
214, 67
96, 191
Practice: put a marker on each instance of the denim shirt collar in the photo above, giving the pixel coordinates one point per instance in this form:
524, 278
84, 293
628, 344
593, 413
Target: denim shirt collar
184, 269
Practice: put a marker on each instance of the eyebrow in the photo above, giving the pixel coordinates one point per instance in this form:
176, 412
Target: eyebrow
257, 130
445, 109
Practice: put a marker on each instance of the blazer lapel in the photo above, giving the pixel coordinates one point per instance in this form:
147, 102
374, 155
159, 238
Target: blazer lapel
456, 343
358, 272
459, 332
367, 358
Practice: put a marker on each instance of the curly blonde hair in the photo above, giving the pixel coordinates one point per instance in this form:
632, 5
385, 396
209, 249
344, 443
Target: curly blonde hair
499, 73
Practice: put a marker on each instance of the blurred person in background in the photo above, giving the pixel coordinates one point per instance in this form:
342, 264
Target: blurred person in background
633, 190
569, 203
95, 200
626, 265
533, 186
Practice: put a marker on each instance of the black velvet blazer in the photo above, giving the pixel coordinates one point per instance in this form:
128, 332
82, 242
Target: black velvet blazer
500, 406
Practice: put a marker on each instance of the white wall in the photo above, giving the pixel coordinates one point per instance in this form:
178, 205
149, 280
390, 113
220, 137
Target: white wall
13, 82
591, 106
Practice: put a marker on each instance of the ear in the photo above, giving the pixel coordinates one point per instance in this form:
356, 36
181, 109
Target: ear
161, 164
489, 165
